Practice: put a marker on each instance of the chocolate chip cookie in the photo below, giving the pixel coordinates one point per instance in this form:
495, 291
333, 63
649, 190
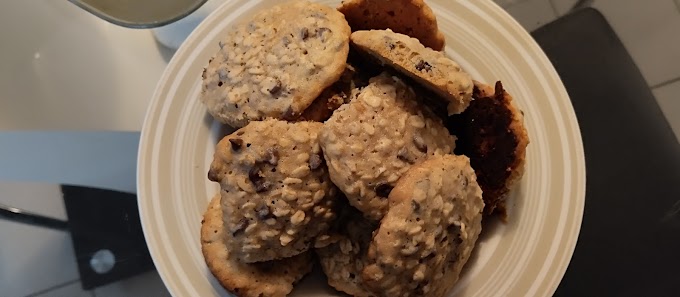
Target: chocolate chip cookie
274, 278
411, 17
370, 142
276, 64
276, 192
430, 68
429, 231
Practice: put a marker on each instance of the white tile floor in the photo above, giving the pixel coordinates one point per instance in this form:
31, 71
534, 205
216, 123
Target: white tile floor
147, 284
47, 255
44, 255
532, 14
649, 29
653, 39
563, 6
70, 289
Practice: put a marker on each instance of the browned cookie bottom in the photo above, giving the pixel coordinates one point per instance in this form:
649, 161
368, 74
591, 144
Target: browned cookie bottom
273, 278
491, 133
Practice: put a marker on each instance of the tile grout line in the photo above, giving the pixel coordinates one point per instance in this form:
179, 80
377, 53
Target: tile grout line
554, 8
665, 83
52, 288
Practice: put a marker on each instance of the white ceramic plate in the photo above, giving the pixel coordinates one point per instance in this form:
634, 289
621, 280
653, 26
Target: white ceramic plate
526, 257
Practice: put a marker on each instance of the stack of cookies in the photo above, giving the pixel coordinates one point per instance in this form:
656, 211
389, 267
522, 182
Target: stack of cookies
357, 140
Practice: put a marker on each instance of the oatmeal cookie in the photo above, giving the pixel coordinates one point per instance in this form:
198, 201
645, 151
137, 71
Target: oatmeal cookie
276, 192
343, 260
429, 231
334, 96
276, 64
370, 142
411, 17
491, 133
274, 278
431, 69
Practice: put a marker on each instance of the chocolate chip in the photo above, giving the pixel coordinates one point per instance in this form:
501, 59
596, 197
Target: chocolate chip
415, 205
240, 227
276, 88
304, 33
289, 115
254, 174
213, 175
383, 190
391, 45
321, 34
498, 90
420, 143
315, 161
422, 65
404, 155
453, 229
263, 212
272, 156
265, 266
262, 186
203, 74
256, 177
236, 143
